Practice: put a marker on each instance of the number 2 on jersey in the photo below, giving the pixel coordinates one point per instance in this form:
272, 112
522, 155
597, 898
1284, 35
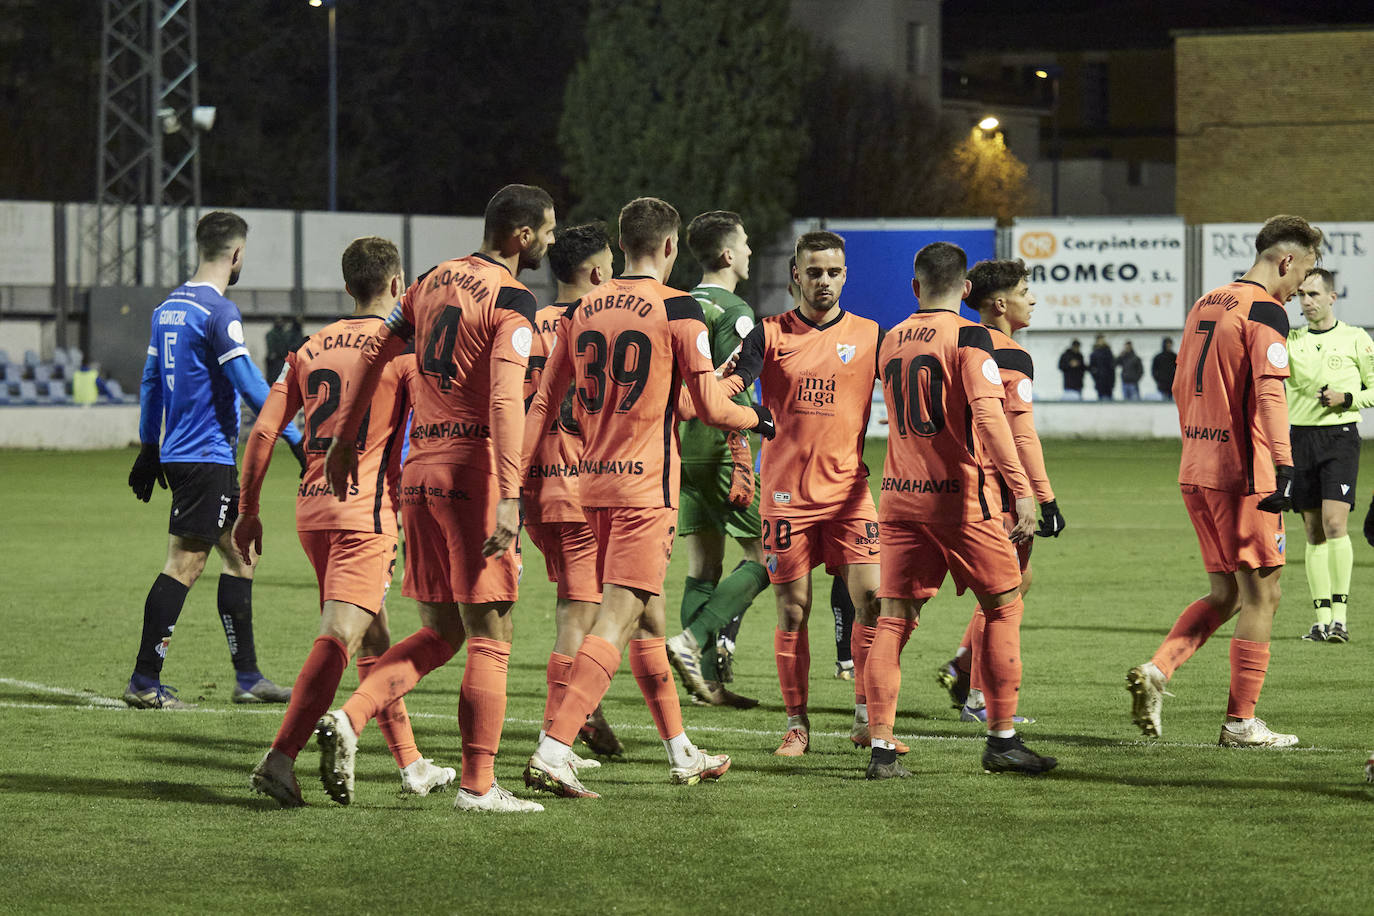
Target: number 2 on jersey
915, 406
332, 385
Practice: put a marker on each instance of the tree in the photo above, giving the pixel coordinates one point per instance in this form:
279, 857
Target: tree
698, 102
990, 180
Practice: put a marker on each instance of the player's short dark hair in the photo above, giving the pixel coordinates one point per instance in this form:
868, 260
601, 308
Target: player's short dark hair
709, 234
216, 233
512, 208
1291, 229
1327, 277
645, 222
991, 277
940, 268
369, 263
573, 246
821, 240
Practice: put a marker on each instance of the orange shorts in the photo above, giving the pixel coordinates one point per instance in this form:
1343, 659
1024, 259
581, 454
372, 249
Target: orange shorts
793, 547
634, 545
977, 555
1232, 531
570, 553
1023, 550
352, 566
447, 512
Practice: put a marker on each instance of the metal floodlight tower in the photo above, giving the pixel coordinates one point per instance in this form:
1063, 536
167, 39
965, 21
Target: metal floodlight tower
148, 160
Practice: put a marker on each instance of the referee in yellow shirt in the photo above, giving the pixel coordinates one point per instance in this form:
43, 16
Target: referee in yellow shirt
1332, 377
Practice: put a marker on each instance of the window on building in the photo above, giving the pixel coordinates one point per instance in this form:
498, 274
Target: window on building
917, 54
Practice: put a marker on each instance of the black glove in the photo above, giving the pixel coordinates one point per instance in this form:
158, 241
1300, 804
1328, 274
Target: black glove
1051, 522
1282, 497
764, 427
1369, 524
299, 451
147, 468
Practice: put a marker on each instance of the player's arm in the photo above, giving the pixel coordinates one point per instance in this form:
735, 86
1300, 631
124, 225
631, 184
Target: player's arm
983, 384
1364, 361
341, 461
553, 386
1018, 373
147, 467
282, 404
1265, 333
748, 361
510, 353
247, 380
710, 395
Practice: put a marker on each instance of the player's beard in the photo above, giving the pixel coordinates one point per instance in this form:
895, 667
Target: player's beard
530, 260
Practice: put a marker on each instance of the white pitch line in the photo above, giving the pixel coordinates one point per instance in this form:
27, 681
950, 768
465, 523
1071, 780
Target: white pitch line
105, 703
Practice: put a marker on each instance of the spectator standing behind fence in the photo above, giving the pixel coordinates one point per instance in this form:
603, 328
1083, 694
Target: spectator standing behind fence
1102, 367
1162, 369
1071, 364
1131, 371
278, 345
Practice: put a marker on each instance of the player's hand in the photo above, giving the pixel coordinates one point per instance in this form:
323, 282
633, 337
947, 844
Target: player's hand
728, 367
341, 468
1282, 497
1024, 529
247, 531
1051, 521
299, 451
764, 427
507, 524
147, 468
1328, 398
742, 475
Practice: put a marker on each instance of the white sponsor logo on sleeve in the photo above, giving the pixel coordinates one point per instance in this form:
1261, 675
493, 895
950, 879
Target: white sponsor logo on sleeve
1023, 390
235, 331
704, 345
1278, 356
520, 340
990, 371
743, 325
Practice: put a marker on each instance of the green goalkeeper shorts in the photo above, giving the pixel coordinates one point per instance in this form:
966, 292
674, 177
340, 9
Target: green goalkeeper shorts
706, 505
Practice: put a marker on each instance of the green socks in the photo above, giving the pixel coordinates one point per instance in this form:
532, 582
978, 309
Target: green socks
1342, 558
732, 597
1318, 564
695, 593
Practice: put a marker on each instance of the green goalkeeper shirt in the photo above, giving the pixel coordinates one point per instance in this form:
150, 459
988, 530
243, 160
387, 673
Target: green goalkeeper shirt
1342, 359
729, 319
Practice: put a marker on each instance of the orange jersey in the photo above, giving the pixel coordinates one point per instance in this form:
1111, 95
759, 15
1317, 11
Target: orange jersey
935, 364
551, 493
313, 378
626, 347
1018, 377
1234, 338
818, 382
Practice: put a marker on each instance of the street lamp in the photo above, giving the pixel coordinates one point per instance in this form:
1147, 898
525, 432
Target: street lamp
333, 102
1052, 73
989, 123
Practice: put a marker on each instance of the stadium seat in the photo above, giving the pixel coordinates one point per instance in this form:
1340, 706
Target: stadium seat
42, 373
75, 356
31, 358
4, 357
57, 393
116, 391
61, 371
13, 372
28, 392
4, 393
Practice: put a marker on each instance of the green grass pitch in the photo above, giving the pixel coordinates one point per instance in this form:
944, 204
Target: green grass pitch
109, 809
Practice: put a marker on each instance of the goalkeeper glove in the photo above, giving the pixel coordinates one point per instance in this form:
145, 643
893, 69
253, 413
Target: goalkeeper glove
764, 427
1051, 521
147, 468
299, 451
1282, 497
742, 476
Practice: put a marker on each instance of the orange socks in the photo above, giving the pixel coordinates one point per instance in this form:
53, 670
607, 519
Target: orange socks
964, 660
1193, 628
977, 626
396, 672
999, 660
311, 694
884, 673
649, 664
860, 641
592, 670
792, 651
556, 678
1249, 664
394, 721
482, 710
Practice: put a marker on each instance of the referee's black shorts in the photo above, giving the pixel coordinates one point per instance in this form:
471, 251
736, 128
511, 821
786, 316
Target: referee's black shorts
1326, 460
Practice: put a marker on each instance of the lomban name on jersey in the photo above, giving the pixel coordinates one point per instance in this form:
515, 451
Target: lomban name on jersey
462, 281
448, 430
816, 390
1207, 432
610, 467
552, 470
620, 301
899, 485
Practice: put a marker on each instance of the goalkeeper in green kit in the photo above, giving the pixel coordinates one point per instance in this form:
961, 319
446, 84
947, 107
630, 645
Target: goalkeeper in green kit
1332, 377
717, 497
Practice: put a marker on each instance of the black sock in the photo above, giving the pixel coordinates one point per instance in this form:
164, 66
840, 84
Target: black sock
236, 613
884, 754
1002, 744
731, 630
843, 609
160, 612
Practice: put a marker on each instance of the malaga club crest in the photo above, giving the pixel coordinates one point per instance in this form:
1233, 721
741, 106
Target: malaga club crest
846, 352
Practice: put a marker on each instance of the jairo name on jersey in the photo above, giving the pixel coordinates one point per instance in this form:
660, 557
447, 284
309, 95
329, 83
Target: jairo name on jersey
639, 306
816, 390
900, 485
322, 489
348, 341
610, 467
461, 281
1213, 433
552, 470
450, 431
906, 335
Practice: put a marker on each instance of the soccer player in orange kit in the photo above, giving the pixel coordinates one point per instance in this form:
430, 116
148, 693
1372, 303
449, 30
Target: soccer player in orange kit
1236, 475
351, 544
